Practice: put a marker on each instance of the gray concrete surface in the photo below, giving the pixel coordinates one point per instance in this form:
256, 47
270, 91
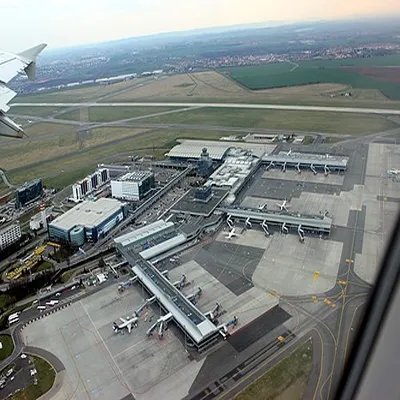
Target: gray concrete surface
378, 194
103, 365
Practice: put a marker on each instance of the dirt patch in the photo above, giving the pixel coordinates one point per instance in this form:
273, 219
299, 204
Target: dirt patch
391, 74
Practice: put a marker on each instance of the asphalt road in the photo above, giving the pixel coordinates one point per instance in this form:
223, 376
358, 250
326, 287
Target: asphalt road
220, 105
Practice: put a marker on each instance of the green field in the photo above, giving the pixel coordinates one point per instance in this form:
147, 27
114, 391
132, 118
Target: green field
316, 71
45, 376
108, 114
62, 171
286, 381
35, 111
8, 346
329, 122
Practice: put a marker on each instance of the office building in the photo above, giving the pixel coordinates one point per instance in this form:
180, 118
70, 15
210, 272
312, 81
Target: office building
28, 193
9, 234
87, 221
89, 184
133, 186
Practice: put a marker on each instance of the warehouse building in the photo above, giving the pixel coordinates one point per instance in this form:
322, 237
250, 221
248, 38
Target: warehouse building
28, 193
9, 234
133, 186
88, 221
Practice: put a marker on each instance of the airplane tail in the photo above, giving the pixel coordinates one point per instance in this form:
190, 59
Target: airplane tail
30, 55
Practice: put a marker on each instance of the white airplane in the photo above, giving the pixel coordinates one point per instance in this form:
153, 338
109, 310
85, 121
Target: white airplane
393, 172
126, 323
10, 66
289, 152
231, 234
284, 206
262, 207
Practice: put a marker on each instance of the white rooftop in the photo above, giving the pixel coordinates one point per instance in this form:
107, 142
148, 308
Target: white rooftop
143, 232
88, 214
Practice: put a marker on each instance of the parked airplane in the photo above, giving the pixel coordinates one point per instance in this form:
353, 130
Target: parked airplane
393, 172
262, 207
231, 234
289, 152
126, 323
284, 205
10, 66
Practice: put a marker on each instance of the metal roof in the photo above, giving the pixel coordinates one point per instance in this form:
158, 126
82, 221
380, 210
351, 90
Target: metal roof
144, 232
135, 176
88, 214
193, 150
163, 247
311, 221
307, 159
184, 312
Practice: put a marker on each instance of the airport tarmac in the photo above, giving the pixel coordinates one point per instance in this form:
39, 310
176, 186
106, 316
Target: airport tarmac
381, 196
290, 267
101, 364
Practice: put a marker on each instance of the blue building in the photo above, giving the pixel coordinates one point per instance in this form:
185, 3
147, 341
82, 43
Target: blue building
88, 221
28, 193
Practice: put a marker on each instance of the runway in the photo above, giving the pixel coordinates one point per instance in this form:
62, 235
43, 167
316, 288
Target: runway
381, 111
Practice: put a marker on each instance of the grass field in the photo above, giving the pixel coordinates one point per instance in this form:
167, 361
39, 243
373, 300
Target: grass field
45, 376
8, 346
83, 94
317, 71
43, 266
60, 172
276, 119
35, 111
286, 381
60, 141
102, 114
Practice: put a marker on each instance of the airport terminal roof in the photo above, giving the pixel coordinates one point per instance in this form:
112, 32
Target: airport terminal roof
317, 222
193, 150
184, 312
143, 232
307, 159
164, 246
88, 214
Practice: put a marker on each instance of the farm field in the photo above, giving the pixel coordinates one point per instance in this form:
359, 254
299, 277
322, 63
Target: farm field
102, 114
83, 94
275, 119
352, 72
62, 170
211, 86
59, 144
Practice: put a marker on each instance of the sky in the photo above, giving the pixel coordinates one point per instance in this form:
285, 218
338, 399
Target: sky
64, 23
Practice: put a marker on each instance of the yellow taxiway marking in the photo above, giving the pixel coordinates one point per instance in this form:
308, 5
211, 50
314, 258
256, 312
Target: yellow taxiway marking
315, 299
316, 275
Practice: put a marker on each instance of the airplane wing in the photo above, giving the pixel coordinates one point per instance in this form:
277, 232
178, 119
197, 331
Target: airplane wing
10, 66
123, 320
129, 326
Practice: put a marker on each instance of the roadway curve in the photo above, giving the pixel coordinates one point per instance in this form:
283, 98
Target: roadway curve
220, 105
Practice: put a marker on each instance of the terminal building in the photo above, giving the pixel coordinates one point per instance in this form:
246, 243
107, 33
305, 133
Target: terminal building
152, 240
87, 221
133, 186
326, 162
28, 193
89, 184
9, 234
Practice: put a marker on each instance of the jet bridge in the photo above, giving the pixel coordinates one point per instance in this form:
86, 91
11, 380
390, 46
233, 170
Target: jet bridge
286, 221
196, 326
